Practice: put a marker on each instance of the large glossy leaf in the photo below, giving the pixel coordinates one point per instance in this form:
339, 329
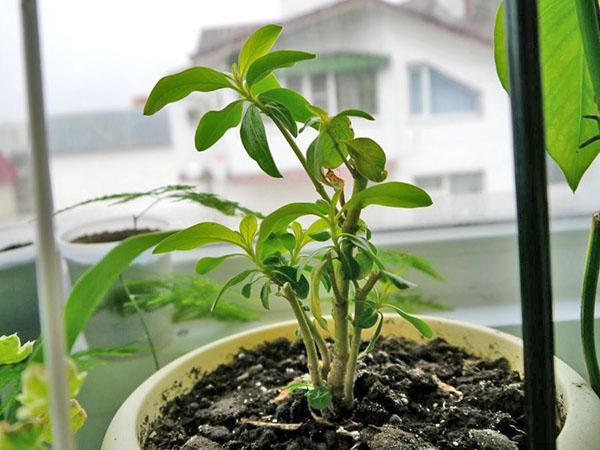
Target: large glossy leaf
369, 158
177, 86
95, 283
394, 194
566, 84
258, 44
214, 124
270, 62
294, 102
255, 142
279, 219
199, 235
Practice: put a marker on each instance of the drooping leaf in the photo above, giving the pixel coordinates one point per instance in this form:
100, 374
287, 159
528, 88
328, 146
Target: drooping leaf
288, 274
199, 235
368, 316
369, 158
265, 291
373, 342
566, 84
247, 290
255, 142
209, 263
232, 282
11, 350
279, 219
356, 113
270, 62
214, 124
177, 86
404, 261
258, 44
280, 115
394, 194
294, 102
319, 397
397, 280
419, 324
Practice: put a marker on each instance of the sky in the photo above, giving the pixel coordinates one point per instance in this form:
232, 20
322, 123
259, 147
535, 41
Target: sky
99, 54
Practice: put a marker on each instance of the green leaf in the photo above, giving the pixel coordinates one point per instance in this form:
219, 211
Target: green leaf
397, 280
420, 264
369, 158
20, 436
209, 263
339, 131
11, 350
350, 267
214, 124
566, 84
394, 194
294, 102
368, 316
270, 62
301, 384
268, 83
248, 228
199, 235
365, 263
356, 113
315, 296
280, 115
419, 324
373, 342
247, 290
265, 291
255, 142
177, 86
321, 236
279, 219
232, 282
319, 397
288, 274
258, 44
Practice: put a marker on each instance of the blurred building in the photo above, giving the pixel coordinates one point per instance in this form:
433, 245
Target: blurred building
423, 68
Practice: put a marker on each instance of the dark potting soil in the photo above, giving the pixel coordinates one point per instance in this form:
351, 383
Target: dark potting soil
15, 246
408, 397
110, 236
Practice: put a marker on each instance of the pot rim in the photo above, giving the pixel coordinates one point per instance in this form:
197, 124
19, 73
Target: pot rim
576, 400
18, 232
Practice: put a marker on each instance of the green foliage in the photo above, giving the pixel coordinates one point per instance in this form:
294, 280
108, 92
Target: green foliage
11, 350
199, 235
214, 124
291, 100
567, 85
393, 194
257, 45
175, 193
254, 139
270, 62
319, 398
369, 158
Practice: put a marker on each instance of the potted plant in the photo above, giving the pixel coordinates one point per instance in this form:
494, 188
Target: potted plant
570, 63
18, 286
116, 323
355, 381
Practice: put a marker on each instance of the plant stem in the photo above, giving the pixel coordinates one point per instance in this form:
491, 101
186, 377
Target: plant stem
312, 360
588, 300
290, 140
588, 16
359, 302
143, 322
321, 346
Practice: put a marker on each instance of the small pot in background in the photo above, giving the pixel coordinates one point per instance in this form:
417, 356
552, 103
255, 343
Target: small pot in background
18, 285
109, 327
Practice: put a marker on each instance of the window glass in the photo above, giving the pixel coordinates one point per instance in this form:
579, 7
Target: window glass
357, 89
294, 82
449, 96
318, 90
416, 90
466, 183
433, 182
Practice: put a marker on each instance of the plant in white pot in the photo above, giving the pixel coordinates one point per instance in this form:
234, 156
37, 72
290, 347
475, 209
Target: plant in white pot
18, 285
115, 323
352, 383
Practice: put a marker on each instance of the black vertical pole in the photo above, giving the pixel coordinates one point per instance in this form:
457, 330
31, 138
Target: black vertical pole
532, 213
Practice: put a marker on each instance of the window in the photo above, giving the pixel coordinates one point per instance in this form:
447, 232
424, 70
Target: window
319, 91
294, 82
453, 184
432, 93
356, 89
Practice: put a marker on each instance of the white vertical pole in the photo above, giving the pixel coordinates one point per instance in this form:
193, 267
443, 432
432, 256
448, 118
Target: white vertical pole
49, 274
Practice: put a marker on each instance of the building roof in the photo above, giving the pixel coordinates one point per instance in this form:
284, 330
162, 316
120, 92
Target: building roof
8, 172
477, 22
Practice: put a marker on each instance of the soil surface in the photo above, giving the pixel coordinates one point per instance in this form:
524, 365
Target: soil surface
110, 236
408, 397
15, 246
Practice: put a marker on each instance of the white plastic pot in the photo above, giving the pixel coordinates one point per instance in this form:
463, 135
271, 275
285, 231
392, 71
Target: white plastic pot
107, 328
18, 286
579, 407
